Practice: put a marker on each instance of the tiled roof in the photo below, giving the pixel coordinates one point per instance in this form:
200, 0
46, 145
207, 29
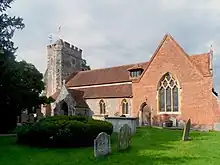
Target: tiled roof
120, 73
100, 76
56, 94
77, 95
113, 91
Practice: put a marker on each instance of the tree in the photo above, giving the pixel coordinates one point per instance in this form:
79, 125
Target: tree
8, 27
20, 82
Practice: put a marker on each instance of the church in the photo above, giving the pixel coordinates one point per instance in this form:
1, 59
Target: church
172, 84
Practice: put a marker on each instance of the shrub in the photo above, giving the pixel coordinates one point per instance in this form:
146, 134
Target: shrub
62, 131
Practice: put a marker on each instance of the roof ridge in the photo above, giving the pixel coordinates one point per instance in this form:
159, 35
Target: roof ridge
114, 67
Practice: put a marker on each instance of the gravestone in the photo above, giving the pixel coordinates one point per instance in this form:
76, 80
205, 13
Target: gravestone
102, 145
24, 118
181, 124
186, 131
31, 118
124, 137
174, 120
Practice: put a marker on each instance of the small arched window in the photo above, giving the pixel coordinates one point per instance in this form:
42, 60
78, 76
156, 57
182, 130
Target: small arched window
124, 106
102, 106
168, 94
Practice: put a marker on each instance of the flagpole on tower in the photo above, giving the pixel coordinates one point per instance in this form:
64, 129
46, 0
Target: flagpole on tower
50, 39
59, 30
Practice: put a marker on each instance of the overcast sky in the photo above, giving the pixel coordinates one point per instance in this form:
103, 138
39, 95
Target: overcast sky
115, 32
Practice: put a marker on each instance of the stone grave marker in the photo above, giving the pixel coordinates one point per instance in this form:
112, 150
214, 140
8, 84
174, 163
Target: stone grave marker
102, 145
24, 118
186, 131
124, 137
31, 118
181, 124
174, 120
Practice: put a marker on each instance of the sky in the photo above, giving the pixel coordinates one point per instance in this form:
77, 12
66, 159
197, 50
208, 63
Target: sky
116, 32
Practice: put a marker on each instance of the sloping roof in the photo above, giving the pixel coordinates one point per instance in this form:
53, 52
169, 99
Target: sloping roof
121, 74
78, 97
201, 61
101, 76
114, 91
56, 94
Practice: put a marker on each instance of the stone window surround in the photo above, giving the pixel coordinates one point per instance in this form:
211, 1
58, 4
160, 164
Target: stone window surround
120, 108
179, 97
102, 107
124, 102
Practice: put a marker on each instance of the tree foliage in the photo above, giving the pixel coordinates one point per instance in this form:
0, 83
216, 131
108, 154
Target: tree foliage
8, 26
20, 82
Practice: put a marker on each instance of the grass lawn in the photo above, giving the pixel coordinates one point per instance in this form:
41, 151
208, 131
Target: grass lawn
150, 146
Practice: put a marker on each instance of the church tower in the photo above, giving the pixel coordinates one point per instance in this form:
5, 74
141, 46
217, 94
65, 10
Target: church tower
62, 59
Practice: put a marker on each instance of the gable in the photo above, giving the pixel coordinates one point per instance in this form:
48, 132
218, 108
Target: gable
119, 74
63, 93
169, 56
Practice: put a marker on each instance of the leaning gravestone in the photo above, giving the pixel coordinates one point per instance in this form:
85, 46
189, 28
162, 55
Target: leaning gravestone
124, 137
186, 131
102, 145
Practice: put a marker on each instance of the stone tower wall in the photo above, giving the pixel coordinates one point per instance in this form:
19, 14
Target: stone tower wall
63, 59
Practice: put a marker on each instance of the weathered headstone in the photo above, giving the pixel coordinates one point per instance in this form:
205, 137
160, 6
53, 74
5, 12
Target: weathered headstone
102, 145
31, 118
174, 120
24, 118
181, 124
186, 131
124, 137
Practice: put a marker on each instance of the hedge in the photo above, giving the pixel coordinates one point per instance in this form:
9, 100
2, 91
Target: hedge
62, 131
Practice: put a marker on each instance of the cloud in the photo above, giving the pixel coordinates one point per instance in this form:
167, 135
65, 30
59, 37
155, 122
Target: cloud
118, 32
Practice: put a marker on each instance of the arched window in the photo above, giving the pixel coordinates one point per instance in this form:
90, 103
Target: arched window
102, 107
124, 106
168, 94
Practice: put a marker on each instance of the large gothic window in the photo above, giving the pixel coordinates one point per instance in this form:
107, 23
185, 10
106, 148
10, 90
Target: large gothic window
102, 106
124, 106
168, 94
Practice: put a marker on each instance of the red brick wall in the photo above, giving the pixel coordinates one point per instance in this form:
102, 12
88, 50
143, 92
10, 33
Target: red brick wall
196, 100
216, 109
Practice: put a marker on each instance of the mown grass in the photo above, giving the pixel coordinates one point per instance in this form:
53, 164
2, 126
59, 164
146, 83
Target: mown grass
149, 146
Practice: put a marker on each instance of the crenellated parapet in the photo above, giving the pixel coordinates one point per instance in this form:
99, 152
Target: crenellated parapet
64, 44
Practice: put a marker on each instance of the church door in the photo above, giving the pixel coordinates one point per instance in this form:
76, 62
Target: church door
64, 107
